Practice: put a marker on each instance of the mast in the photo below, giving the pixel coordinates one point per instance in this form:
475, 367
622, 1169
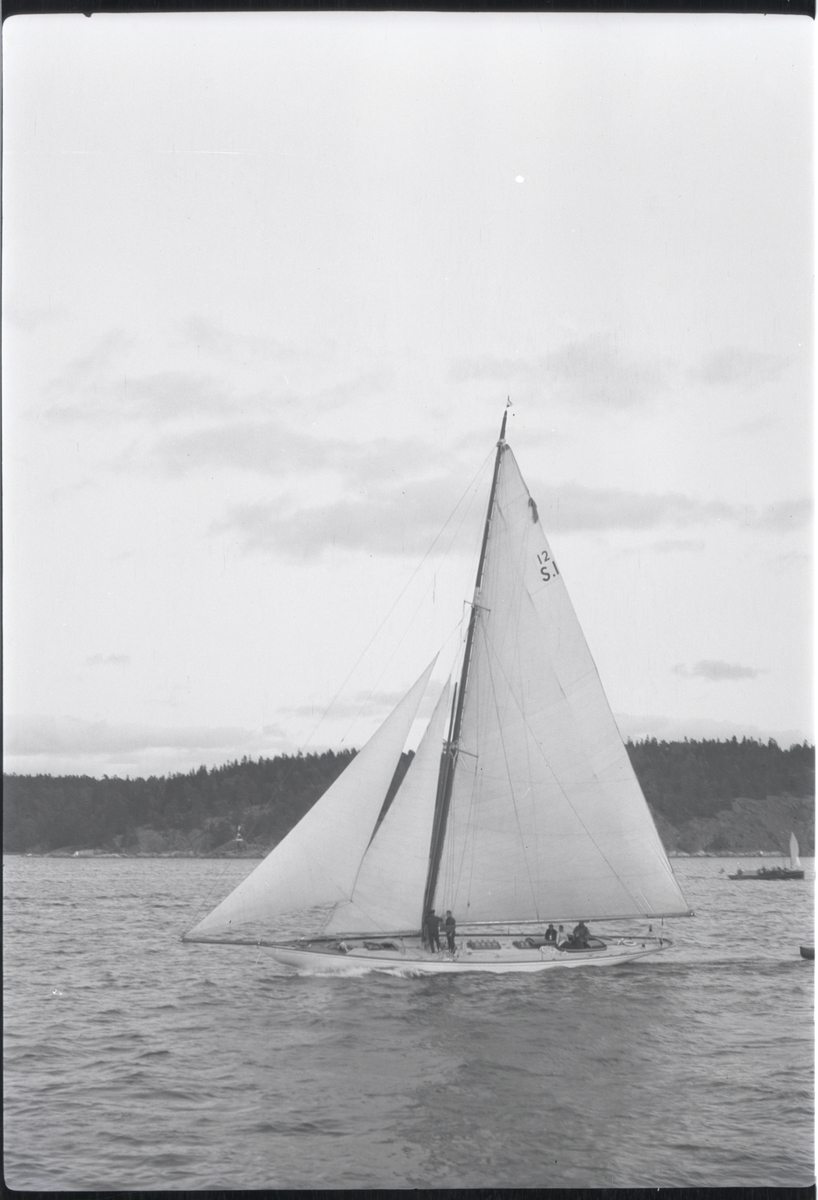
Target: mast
448, 759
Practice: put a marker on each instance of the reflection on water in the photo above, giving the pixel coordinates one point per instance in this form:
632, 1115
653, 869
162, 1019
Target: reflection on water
153, 1064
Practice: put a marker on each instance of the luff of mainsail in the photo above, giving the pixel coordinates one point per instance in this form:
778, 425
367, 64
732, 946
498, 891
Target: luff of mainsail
448, 762
316, 864
546, 818
387, 890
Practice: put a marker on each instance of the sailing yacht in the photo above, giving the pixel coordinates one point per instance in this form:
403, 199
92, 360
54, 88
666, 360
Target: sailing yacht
791, 870
519, 810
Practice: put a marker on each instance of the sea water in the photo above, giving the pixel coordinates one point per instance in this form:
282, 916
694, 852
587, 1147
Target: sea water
136, 1062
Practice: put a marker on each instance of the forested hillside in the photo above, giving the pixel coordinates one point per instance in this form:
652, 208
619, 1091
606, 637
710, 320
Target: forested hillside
729, 796
718, 796
198, 811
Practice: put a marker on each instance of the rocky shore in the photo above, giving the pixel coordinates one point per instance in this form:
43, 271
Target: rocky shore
232, 849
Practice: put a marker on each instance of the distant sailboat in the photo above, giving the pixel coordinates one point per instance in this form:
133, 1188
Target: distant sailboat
795, 861
793, 871
526, 812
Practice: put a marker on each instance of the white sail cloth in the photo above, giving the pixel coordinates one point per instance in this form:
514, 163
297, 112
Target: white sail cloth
388, 892
316, 864
547, 819
795, 861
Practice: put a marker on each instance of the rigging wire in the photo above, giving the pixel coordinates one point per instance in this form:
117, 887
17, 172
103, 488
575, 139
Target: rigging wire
469, 491
206, 898
470, 488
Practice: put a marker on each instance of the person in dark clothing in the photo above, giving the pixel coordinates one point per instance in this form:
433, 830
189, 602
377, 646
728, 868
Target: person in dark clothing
551, 934
580, 935
449, 926
432, 924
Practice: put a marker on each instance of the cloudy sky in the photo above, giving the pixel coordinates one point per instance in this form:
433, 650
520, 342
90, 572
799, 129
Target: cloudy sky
268, 281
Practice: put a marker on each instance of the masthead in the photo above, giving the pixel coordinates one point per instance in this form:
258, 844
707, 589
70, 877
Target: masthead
503, 426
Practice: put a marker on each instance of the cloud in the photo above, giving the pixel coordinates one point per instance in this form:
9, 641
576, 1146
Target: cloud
234, 375
28, 736
362, 704
271, 447
781, 517
161, 396
386, 520
464, 370
389, 518
591, 371
32, 319
87, 370
289, 361
108, 660
595, 371
236, 346
572, 507
167, 396
99, 385
734, 365
267, 447
716, 671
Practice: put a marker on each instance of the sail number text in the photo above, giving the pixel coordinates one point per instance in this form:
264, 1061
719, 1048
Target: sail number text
548, 567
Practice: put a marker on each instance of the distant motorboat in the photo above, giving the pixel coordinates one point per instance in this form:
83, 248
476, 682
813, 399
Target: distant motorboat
793, 871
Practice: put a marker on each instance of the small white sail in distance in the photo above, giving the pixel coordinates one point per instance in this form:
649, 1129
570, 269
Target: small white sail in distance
795, 861
316, 864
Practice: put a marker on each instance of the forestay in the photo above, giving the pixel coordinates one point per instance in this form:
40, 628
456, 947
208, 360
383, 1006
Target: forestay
547, 819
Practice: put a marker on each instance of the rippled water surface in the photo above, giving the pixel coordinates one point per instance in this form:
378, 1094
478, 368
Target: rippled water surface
133, 1061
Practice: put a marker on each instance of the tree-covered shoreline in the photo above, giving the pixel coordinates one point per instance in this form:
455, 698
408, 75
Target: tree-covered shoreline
729, 797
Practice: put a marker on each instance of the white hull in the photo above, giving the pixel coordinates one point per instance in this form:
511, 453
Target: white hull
506, 959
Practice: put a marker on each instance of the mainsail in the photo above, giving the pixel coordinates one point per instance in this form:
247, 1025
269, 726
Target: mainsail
546, 819
316, 864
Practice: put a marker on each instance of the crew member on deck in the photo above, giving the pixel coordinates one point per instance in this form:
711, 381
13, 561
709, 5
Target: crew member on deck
432, 925
551, 934
562, 936
449, 926
580, 936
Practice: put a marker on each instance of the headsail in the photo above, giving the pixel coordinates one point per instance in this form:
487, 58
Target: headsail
389, 888
318, 861
547, 818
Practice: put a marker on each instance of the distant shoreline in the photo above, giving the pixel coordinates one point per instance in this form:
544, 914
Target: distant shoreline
253, 855
706, 796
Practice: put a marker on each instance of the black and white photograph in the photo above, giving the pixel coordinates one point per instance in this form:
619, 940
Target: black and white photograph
408, 449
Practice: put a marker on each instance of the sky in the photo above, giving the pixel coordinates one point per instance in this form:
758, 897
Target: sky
268, 281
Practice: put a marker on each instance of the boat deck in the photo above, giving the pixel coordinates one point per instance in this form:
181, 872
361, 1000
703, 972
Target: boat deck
770, 874
499, 955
